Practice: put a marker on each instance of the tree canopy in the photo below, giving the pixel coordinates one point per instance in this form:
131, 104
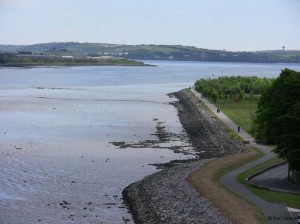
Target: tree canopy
278, 117
233, 87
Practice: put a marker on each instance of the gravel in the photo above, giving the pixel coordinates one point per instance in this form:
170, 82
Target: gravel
166, 196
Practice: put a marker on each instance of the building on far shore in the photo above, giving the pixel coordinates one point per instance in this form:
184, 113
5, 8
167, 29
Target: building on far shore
67, 57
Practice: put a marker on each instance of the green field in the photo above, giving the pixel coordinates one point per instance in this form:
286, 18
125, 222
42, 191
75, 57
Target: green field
239, 111
152, 51
291, 200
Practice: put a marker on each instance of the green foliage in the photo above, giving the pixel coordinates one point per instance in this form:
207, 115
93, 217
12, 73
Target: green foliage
278, 116
153, 51
11, 60
234, 87
210, 92
291, 200
236, 96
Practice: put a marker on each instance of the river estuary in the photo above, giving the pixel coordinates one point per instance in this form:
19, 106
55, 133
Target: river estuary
61, 129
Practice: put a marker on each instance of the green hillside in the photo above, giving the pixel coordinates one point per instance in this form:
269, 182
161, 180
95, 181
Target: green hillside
158, 52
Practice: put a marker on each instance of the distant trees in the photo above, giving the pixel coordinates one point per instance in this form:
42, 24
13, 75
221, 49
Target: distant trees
14, 60
161, 52
39, 59
233, 87
278, 117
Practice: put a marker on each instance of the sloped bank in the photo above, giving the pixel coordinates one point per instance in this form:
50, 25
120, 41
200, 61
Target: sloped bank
166, 196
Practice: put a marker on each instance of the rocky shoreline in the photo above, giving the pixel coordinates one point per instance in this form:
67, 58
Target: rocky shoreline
166, 196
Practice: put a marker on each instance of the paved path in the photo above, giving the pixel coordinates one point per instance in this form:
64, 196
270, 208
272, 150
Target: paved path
276, 178
276, 213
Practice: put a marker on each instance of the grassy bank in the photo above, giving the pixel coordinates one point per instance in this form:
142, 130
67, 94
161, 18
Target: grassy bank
239, 111
206, 180
290, 199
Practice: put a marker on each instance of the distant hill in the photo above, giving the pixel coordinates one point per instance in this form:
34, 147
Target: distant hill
157, 52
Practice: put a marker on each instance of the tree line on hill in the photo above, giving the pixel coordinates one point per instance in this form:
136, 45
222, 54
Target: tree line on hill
277, 119
19, 60
159, 52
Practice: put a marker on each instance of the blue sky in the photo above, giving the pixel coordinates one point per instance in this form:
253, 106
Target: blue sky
213, 24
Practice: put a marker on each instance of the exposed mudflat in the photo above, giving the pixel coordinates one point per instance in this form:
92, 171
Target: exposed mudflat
56, 124
166, 196
57, 165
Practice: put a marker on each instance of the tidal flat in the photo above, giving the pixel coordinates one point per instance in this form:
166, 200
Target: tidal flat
59, 127
58, 163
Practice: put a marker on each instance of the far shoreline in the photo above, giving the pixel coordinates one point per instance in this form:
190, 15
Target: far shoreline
69, 65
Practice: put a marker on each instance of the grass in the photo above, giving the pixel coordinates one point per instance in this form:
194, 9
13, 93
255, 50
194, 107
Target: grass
238, 111
291, 200
258, 154
206, 180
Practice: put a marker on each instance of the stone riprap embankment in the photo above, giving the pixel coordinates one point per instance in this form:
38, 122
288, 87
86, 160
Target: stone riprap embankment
166, 196
207, 134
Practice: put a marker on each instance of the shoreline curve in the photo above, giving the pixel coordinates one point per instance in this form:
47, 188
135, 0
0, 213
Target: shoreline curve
166, 196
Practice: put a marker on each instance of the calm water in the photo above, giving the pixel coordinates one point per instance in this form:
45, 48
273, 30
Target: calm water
56, 124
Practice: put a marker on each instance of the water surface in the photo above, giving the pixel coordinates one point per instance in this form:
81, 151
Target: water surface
56, 125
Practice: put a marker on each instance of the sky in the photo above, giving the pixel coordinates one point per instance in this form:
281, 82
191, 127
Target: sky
236, 25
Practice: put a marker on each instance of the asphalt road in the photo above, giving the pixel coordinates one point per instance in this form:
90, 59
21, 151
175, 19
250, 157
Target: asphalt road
276, 213
275, 178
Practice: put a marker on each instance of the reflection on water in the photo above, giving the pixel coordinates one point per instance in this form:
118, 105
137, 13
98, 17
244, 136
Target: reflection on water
56, 160
56, 124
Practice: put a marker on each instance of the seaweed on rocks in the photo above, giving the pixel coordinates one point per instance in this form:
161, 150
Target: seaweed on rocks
207, 135
166, 196
163, 136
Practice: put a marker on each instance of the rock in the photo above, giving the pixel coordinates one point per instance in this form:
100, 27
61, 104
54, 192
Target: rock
166, 196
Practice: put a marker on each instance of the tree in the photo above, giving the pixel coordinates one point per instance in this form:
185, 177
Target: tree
278, 117
214, 95
234, 87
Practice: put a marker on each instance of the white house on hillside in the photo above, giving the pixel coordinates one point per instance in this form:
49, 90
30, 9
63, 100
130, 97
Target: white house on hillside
67, 57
